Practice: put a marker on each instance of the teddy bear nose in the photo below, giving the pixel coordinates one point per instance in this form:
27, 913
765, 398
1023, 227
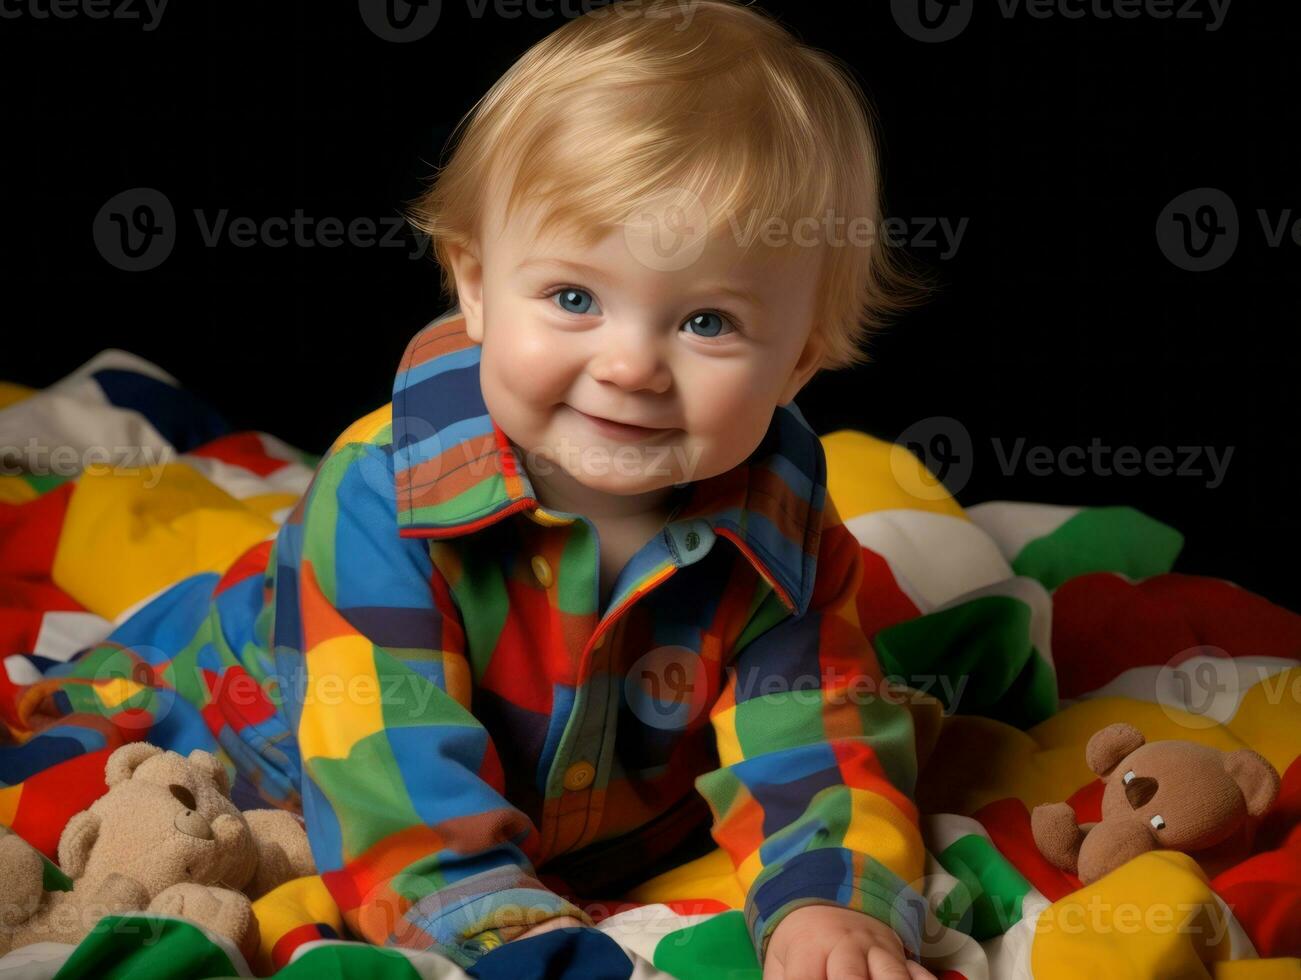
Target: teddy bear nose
190, 822
193, 825
1139, 790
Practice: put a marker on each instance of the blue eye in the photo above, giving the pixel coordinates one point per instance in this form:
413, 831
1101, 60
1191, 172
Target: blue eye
711, 324
580, 299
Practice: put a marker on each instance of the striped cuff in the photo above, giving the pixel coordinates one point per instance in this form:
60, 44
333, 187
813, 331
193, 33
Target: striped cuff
826, 876
466, 919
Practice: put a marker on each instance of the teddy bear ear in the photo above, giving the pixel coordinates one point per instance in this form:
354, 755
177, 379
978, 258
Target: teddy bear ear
76, 841
1107, 747
211, 766
1257, 779
122, 764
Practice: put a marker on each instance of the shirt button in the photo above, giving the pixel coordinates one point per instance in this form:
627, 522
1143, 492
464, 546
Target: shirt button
542, 571
579, 775
693, 539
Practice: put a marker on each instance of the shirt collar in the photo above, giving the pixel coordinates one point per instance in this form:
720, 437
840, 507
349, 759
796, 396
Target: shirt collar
455, 471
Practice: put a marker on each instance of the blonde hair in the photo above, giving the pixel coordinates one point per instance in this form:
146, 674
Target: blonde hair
711, 96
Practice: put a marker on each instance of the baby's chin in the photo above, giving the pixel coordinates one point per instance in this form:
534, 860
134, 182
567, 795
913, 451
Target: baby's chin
662, 471
624, 485
607, 465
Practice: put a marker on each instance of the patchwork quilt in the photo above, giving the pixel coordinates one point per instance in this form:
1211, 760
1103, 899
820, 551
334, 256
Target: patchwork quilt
1012, 630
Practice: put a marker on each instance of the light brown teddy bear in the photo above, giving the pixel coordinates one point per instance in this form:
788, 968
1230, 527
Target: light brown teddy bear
165, 838
1169, 795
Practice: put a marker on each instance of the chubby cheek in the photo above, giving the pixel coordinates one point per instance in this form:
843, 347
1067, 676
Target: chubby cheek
524, 367
728, 417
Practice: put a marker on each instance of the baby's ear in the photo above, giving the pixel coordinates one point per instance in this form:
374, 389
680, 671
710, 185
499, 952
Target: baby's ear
474, 329
806, 366
467, 271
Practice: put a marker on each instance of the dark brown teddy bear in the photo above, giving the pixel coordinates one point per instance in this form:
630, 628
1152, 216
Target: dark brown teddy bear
1170, 795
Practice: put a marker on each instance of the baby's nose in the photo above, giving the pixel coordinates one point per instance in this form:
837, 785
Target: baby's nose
633, 362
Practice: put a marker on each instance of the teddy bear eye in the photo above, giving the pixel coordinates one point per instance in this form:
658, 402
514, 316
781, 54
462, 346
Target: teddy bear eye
1129, 775
184, 795
1158, 822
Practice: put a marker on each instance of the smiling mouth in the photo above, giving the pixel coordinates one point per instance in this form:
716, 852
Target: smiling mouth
621, 429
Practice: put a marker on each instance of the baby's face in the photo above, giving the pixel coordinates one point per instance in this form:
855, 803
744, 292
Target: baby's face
698, 357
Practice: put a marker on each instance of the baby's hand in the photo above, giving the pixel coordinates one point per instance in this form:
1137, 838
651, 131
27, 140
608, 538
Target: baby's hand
828, 942
559, 922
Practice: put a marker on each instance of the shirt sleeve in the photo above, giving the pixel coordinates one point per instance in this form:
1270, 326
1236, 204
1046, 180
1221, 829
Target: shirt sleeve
812, 799
402, 786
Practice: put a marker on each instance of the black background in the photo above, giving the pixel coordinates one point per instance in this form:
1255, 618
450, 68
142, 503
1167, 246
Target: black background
1058, 140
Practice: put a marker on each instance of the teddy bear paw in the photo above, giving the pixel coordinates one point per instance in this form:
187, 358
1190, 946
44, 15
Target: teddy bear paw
220, 910
1057, 834
120, 893
22, 880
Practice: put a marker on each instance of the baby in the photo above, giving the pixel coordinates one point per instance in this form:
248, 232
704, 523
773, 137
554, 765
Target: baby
590, 608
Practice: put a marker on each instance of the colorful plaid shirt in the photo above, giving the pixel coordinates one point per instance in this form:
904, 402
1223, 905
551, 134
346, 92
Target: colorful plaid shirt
481, 742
